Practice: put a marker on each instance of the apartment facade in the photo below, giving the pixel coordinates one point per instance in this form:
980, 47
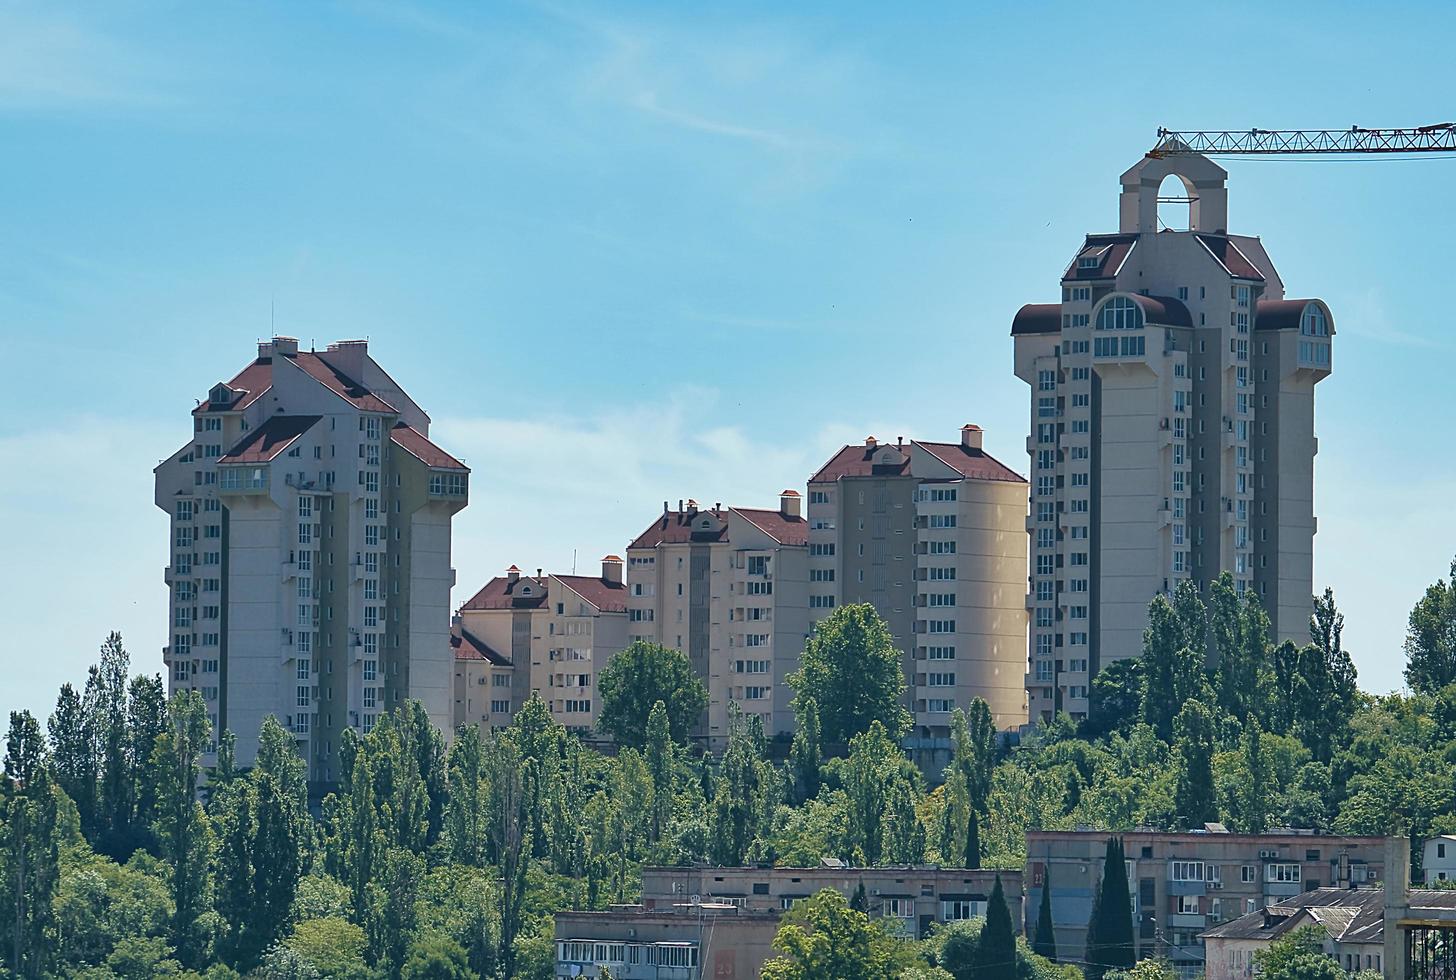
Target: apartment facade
933, 535
310, 568
1183, 884
551, 635
1172, 430
682, 941
728, 586
911, 900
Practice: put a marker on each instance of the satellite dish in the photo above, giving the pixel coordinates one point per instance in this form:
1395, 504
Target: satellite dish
696, 900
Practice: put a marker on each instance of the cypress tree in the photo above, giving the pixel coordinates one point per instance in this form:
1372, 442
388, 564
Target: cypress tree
973, 841
996, 950
1044, 943
1109, 933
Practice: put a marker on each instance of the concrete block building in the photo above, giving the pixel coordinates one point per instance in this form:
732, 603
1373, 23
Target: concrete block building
1172, 430
728, 586
1184, 884
547, 634
933, 534
310, 551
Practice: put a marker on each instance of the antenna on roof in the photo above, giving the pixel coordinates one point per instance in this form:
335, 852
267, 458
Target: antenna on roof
573, 561
272, 313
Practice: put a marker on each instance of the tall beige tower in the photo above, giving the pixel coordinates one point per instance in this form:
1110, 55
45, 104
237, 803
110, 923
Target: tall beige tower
1172, 430
310, 551
933, 535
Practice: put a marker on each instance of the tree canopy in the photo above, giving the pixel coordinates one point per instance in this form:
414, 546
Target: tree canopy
853, 673
639, 677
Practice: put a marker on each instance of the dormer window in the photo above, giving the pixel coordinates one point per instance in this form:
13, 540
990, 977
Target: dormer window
221, 395
1313, 322
1089, 262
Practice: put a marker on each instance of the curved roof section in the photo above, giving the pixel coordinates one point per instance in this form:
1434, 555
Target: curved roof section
1285, 314
1037, 318
1164, 310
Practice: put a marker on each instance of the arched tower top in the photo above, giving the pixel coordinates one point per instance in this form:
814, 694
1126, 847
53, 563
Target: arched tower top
1204, 181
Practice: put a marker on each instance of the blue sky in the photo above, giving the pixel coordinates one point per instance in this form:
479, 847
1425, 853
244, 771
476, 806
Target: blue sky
626, 253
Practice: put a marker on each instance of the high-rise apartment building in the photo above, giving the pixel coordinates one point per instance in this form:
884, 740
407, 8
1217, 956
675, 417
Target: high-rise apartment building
555, 633
728, 586
933, 535
310, 551
1172, 430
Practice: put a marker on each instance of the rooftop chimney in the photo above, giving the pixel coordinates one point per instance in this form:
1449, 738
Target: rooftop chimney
871, 442
790, 504
971, 437
513, 574
692, 508
348, 357
612, 570
278, 345
538, 573
899, 442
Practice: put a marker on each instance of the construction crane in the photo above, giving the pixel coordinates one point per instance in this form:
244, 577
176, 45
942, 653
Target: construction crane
1440, 137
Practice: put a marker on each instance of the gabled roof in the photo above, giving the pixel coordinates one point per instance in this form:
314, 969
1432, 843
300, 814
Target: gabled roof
467, 646
270, 439
501, 593
677, 527
1346, 914
412, 441
858, 460
973, 464
784, 530
1226, 252
250, 384
609, 597
1110, 251
339, 383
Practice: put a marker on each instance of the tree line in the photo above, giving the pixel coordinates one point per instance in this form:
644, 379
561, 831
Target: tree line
121, 856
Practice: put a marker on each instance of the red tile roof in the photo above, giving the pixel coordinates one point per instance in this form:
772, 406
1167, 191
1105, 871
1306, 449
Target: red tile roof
269, 439
339, 383
412, 441
1281, 314
1037, 318
1111, 252
784, 530
500, 593
250, 383
974, 464
1164, 310
675, 527
606, 596
856, 461
467, 646
1234, 262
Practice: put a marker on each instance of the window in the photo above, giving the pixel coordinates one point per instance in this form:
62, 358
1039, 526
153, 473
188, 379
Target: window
940, 653
821, 602
755, 693
500, 707
1185, 870
940, 680
954, 910
939, 706
1120, 313
1281, 873
1313, 322
818, 497
941, 626
1046, 380
1188, 905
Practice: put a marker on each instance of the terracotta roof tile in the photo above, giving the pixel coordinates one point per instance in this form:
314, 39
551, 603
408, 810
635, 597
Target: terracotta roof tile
1037, 318
1110, 251
412, 441
1234, 262
269, 439
339, 383
784, 530
251, 383
610, 597
857, 460
676, 527
467, 646
1282, 314
501, 593
974, 464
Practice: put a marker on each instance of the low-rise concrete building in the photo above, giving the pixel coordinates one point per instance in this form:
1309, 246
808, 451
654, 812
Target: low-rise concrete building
1184, 883
683, 941
1352, 920
1438, 859
913, 898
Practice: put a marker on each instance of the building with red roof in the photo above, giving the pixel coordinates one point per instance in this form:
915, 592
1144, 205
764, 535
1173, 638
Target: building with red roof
553, 634
310, 551
933, 535
1172, 429
728, 586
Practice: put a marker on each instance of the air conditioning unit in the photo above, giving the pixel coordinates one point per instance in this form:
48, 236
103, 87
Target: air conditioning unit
1268, 854
1216, 885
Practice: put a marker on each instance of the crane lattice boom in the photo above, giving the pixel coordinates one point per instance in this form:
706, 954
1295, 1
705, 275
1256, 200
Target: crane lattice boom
1422, 139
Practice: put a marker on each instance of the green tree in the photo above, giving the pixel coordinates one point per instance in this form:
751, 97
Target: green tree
805, 755
1194, 799
1256, 797
73, 754
182, 826
30, 837
331, 947
465, 809
1109, 931
107, 684
639, 677
823, 937
1045, 939
1146, 970
1160, 654
1430, 642
1116, 699
146, 720
739, 794
851, 669
996, 951
1297, 956
662, 769
436, 957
